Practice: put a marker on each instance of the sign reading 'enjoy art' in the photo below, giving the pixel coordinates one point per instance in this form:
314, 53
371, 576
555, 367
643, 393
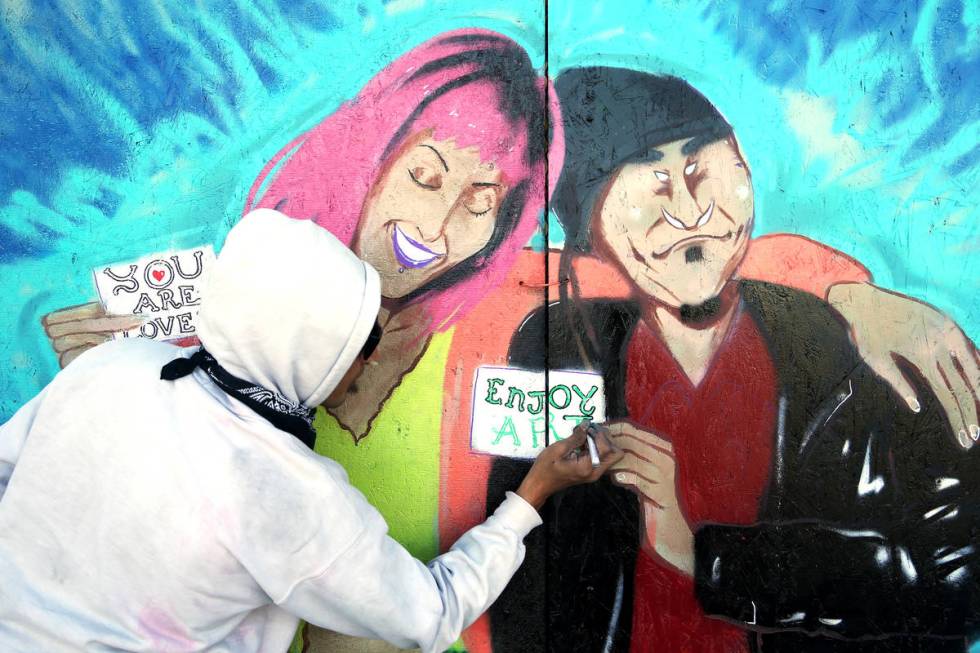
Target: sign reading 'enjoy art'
165, 287
515, 413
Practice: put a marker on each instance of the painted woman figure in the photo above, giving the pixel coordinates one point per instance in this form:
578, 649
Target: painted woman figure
434, 174
776, 494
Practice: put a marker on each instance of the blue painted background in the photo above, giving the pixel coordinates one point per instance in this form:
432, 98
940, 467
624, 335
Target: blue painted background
130, 127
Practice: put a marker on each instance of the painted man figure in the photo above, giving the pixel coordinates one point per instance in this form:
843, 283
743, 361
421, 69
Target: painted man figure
776, 495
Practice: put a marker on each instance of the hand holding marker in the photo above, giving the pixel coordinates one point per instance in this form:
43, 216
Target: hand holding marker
562, 464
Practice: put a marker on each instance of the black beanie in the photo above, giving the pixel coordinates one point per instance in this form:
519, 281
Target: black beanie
615, 116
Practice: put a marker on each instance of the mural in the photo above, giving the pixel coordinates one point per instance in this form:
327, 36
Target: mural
722, 184
746, 414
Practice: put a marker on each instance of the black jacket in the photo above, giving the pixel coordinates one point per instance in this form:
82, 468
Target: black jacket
867, 532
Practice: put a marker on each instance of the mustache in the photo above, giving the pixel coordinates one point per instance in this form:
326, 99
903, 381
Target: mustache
666, 251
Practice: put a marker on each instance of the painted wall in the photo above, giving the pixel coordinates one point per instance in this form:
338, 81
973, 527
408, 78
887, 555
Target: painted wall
137, 128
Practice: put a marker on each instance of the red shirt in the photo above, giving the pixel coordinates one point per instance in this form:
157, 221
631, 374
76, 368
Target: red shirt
722, 434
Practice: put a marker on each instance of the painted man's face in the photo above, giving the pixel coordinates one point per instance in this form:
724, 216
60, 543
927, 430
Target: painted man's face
679, 226
435, 205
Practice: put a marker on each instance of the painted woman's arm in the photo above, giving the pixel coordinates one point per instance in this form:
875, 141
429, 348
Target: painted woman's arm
887, 327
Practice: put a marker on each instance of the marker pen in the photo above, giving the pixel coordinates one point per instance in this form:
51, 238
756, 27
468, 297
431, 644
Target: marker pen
590, 434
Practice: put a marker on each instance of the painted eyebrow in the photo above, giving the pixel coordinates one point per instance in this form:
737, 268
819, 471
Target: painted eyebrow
442, 160
692, 147
486, 184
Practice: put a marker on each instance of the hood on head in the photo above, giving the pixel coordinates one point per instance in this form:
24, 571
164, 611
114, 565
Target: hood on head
287, 306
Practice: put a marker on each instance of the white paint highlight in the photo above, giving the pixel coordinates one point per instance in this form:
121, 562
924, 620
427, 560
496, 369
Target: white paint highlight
868, 485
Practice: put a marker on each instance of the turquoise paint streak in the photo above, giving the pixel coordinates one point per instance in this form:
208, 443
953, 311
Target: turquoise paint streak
186, 181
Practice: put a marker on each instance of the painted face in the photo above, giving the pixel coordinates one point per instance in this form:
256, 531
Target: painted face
679, 226
435, 205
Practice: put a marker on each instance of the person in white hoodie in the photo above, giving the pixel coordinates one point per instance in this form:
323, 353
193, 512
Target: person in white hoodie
162, 499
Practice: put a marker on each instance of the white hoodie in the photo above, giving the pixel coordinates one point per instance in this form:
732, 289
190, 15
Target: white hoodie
146, 515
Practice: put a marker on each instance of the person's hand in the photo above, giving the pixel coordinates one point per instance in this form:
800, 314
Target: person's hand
566, 463
648, 468
885, 326
74, 330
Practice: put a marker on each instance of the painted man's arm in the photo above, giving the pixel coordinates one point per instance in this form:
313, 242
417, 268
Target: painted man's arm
900, 560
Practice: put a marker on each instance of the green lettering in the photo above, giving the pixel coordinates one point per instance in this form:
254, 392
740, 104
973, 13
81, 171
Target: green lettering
506, 429
583, 399
568, 396
491, 397
539, 396
515, 392
538, 428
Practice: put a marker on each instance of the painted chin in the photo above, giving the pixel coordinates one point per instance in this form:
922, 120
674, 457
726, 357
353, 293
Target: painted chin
411, 254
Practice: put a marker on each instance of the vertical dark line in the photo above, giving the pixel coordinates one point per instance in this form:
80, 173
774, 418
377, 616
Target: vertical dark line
549, 511
545, 228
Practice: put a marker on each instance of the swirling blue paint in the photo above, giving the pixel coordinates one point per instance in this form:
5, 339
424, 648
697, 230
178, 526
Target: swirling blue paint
135, 126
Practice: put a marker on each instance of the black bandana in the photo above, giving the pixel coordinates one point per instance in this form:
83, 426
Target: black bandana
284, 414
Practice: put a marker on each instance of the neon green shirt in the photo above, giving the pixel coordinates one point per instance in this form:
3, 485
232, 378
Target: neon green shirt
396, 465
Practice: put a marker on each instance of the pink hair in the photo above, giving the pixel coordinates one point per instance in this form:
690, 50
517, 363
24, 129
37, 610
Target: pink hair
326, 174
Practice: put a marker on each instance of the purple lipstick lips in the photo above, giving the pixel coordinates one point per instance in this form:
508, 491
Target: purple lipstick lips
411, 253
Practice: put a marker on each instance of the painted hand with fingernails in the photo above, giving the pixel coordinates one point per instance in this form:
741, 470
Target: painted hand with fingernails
887, 328
649, 469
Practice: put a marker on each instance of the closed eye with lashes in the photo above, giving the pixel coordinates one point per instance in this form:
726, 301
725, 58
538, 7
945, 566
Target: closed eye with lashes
481, 202
425, 177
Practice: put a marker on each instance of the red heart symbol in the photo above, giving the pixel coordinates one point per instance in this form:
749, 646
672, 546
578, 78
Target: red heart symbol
158, 274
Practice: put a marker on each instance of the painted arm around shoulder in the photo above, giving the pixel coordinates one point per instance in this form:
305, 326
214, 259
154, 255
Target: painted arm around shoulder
886, 327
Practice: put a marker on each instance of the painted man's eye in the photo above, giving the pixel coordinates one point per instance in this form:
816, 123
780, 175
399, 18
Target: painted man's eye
661, 175
689, 170
426, 177
481, 202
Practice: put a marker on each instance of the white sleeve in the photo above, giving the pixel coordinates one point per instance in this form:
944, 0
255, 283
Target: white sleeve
377, 589
13, 434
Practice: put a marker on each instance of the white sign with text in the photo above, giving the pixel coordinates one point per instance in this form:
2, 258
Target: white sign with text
165, 287
514, 414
